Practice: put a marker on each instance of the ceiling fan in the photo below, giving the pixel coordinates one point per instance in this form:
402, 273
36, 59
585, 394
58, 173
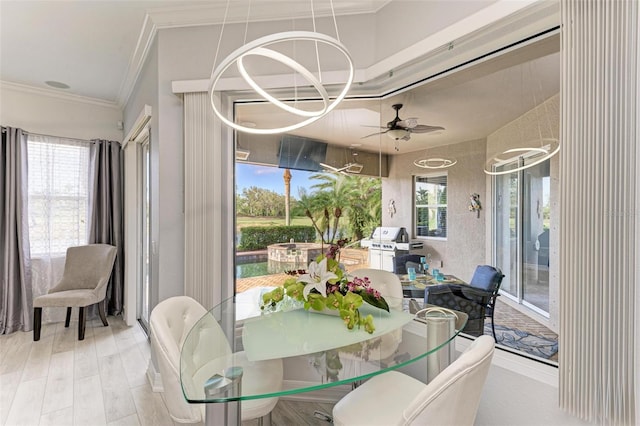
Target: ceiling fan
399, 129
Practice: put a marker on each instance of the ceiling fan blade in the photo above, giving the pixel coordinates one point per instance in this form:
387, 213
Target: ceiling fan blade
374, 134
375, 127
423, 128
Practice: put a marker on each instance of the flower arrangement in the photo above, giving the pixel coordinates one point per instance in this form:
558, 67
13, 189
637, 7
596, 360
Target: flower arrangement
326, 286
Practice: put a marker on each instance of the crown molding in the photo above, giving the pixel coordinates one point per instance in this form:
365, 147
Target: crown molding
52, 93
145, 40
214, 13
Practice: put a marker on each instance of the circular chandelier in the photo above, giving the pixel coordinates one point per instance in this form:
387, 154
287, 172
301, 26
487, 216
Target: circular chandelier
258, 47
262, 47
530, 156
435, 163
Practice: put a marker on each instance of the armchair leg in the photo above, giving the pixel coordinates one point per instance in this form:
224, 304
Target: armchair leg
81, 323
493, 328
68, 318
101, 311
37, 322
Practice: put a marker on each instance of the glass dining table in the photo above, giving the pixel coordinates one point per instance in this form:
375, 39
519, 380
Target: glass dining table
237, 354
414, 288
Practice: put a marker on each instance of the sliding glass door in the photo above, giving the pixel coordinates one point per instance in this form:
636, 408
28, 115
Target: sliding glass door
521, 237
145, 233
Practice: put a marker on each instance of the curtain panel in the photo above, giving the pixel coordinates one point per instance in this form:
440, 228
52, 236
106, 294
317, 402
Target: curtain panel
16, 302
106, 211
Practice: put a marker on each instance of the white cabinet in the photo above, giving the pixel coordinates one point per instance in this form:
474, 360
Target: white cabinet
380, 259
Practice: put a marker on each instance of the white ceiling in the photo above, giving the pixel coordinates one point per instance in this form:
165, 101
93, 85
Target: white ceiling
97, 47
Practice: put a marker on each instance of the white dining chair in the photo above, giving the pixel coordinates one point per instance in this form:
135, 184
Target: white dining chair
393, 398
387, 283
171, 322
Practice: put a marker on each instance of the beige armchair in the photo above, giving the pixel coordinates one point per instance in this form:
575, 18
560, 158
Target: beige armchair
84, 283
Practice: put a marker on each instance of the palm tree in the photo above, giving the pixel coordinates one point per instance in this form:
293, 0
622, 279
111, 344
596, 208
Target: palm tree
336, 193
287, 197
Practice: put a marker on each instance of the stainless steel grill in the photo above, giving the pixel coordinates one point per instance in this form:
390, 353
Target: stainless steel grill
385, 244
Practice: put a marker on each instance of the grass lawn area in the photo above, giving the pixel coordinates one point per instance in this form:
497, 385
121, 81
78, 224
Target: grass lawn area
242, 221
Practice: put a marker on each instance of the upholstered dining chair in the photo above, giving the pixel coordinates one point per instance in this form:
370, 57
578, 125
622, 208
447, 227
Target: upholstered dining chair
451, 398
387, 283
84, 283
171, 322
404, 261
476, 299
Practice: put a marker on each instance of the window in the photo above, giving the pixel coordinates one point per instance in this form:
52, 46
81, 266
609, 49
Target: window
430, 206
58, 179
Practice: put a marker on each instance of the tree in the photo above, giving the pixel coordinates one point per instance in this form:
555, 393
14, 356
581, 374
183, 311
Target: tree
287, 197
256, 201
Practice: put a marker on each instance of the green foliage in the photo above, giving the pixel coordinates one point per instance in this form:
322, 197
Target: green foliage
358, 199
256, 201
259, 237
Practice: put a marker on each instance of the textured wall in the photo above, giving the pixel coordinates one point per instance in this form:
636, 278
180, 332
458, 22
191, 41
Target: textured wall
464, 247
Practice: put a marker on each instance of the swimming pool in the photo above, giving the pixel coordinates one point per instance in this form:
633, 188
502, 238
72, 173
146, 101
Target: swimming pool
256, 268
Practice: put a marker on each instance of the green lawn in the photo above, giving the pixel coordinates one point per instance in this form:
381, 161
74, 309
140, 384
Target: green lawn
242, 221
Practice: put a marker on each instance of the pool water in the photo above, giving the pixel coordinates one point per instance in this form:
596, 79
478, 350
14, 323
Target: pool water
255, 269
259, 268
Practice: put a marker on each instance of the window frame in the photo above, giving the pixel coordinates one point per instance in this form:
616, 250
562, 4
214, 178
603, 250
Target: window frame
80, 199
435, 206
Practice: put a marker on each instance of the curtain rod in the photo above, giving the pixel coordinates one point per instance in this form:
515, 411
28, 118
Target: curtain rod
65, 137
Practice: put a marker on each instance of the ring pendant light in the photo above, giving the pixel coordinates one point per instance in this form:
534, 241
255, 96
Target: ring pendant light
547, 152
435, 163
258, 47
547, 146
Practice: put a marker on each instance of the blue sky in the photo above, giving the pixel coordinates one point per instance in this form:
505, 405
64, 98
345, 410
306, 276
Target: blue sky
270, 178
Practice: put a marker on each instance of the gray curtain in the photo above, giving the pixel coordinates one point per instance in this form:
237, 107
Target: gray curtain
16, 302
106, 208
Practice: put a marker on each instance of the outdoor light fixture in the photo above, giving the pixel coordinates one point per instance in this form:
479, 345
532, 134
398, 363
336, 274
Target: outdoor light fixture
530, 156
260, 47
242, 154
535, 151
435, 163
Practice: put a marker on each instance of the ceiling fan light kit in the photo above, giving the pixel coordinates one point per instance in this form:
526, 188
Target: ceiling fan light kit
397, 134
258, 47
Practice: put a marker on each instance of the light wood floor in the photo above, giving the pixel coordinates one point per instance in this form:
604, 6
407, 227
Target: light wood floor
98, 381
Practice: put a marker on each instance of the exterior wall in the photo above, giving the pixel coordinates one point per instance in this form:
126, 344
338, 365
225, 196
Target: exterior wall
37, 112
464, 247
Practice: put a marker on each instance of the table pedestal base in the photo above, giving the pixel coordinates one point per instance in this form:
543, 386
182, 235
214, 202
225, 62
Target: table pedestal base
223, 414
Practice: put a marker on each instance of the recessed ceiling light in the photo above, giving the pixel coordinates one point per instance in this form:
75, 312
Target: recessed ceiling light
57, 84
248, 124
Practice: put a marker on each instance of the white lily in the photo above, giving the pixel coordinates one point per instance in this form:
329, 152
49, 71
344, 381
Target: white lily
316, 278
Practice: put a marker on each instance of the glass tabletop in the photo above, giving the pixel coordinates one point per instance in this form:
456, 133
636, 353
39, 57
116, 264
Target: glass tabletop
238, 352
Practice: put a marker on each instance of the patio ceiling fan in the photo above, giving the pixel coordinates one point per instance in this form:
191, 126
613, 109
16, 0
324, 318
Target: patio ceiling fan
399, 129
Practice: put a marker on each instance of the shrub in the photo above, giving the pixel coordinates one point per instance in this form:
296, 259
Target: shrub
259, 237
